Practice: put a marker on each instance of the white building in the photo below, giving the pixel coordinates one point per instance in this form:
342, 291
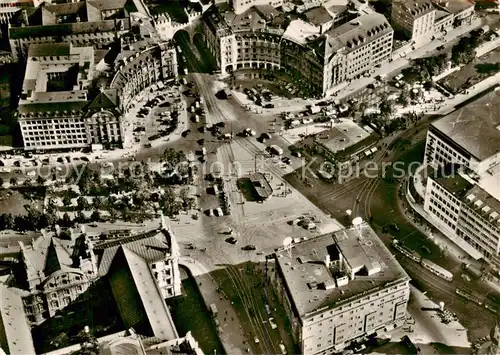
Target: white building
462, 177
415, 18
325, 52
340, 288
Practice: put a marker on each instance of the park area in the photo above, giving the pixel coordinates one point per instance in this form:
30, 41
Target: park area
474, 72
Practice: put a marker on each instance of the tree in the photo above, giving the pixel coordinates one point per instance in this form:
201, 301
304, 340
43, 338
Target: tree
82, 203
170, 205
97, 202
40, 180
386, 108
1, 183
403, 98
172, 158
66, 201
95, 216
464, 51
80, 217
66, 220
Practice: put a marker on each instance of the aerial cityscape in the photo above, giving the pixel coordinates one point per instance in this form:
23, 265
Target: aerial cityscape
249, 177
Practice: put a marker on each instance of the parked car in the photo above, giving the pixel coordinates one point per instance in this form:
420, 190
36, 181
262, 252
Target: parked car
249, 247
232, 240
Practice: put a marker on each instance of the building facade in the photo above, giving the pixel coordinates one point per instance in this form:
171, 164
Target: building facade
57, 272
462, 158
319, 59
136, 70
414, 18
339, 289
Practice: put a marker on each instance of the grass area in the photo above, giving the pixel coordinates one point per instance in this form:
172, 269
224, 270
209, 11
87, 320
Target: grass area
474, 72
14, 200
190, 314
255, 288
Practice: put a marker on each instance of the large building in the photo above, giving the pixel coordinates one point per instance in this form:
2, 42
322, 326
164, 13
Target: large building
60, 106
321, 54
142, 269
340, 288
55, 108
420, 20
462, 177
415, 18
80, 23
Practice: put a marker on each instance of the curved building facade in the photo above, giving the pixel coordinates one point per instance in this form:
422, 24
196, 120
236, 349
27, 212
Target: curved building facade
317, 56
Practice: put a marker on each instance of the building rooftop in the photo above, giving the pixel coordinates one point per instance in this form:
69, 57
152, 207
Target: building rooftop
475, 127
417, 8
343, 135
15, 333
312, 285
456, 6
151, 246
318, 16
128, 264
250, 20
450, 178
357, 32
301, 32
261, 185
216, 22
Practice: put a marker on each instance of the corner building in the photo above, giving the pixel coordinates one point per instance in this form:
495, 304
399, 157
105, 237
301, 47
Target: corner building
260, 38
462, 176
340, 288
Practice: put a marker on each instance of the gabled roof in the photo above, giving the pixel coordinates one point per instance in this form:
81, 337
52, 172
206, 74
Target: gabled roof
47, 255
156, 310
106, 100
107, 4
151, 246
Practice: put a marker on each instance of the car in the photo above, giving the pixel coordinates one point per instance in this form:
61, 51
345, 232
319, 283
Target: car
249, 247
232, 240
269, 106
165, 104
286, 160
147, 145
297, 154
440, 48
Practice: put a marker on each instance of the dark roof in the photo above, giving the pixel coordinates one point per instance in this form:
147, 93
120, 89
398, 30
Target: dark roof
318, 16
261, 185
107, 4
49, 49
475, 127
106, 100
53, 106
64, 9
63, 29
448, 176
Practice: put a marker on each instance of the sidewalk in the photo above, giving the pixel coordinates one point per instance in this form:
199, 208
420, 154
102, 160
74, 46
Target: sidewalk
230, 331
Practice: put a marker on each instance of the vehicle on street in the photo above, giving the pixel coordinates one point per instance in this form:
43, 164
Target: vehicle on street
286, 160
297, 154
232, 240
249, 247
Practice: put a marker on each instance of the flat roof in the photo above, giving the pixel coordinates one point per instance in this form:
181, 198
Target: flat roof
475, 127
261, 185
457, 6
318, 16
344, 135
303, 268
299, 31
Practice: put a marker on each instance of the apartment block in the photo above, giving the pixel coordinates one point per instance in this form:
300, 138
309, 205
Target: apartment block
462, 176
325, 52
340, 288
81, 23
415, 18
